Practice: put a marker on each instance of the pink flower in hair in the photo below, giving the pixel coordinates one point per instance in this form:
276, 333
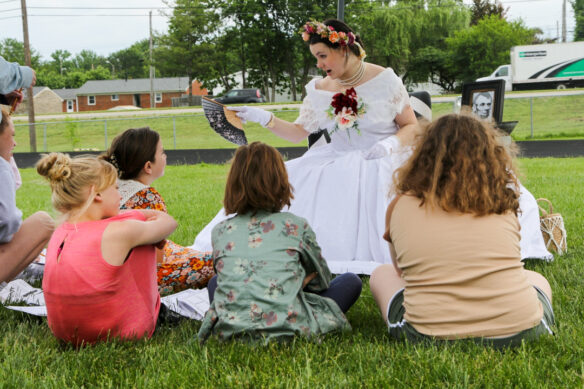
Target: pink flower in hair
305, 36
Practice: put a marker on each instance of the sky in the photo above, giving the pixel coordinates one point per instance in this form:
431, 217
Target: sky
75, 25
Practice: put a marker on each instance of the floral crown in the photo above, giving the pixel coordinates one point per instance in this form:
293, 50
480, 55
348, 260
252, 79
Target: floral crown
340, 37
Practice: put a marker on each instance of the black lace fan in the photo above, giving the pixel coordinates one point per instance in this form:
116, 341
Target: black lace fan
224, 122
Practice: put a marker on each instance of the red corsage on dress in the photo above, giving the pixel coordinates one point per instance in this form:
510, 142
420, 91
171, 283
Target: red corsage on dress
345, 109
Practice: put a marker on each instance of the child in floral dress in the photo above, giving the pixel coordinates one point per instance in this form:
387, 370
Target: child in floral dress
140, 159
272, 282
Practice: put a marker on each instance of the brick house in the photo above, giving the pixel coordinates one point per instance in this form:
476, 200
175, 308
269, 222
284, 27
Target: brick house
69, 97
98, 95
45, 101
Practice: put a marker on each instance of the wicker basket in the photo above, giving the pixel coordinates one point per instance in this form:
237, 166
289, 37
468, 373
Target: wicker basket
552, 228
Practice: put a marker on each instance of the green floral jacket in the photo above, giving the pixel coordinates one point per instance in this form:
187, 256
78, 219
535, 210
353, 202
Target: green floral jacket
261, 262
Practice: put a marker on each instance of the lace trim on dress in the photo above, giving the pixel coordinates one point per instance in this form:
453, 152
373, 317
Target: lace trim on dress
398, 95
129, 188
308, 118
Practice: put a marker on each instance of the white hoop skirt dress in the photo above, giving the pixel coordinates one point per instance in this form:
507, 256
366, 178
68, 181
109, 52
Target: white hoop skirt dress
344, 196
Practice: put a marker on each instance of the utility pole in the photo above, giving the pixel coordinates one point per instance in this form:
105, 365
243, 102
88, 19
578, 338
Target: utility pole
27, 61
152, 103
564, 21
341, 9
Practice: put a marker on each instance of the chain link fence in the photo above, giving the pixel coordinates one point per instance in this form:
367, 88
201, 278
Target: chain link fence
543, 117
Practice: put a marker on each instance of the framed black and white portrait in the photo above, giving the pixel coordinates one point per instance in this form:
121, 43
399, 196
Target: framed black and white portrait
485, 99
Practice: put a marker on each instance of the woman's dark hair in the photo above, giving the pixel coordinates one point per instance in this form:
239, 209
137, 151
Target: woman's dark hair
339, 26
257, 180
130, 151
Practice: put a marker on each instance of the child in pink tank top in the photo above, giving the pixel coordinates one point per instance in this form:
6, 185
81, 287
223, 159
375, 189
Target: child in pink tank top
100, 272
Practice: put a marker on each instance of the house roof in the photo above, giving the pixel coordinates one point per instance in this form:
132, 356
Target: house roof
139, 85
35, 90
66, 94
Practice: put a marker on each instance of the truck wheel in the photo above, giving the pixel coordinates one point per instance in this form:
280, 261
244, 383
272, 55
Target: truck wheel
561, 86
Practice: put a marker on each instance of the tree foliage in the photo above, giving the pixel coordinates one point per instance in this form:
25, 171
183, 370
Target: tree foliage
578, 7
13, 51
478, 50
132, 62
186, 47
410, 36
442, 41
483, 8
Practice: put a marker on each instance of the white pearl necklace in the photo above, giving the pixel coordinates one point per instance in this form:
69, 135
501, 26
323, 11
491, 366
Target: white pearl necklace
355, 78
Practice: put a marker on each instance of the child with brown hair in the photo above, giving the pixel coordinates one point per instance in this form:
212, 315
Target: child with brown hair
454, 237
20, 241
100, 272
139, 157
272, 282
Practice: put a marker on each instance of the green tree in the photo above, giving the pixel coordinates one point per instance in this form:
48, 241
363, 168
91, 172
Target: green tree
271, 54
578, 7
183, 50
483, 8
130, 63
89, 60
50, 78
60, 62
13, 51
410, 37
478, 50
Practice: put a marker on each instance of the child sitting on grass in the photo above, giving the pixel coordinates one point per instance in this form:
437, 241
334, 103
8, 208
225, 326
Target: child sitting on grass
139, 157
454, 237
20, 241
100, 272
272, 281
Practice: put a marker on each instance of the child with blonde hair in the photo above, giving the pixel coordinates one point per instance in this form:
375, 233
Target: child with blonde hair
100, 272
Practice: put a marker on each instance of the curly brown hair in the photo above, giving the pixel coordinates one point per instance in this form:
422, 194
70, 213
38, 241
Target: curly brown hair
257, 180
460, 165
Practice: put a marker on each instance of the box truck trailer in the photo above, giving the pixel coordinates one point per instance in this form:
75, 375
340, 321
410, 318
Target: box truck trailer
545, 66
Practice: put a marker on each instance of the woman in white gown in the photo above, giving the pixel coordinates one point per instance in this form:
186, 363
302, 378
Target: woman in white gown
342, 188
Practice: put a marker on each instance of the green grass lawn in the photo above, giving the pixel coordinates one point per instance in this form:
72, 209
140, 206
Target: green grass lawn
553, 117
366, 357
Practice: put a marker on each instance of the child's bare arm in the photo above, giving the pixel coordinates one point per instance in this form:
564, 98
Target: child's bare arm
120, 237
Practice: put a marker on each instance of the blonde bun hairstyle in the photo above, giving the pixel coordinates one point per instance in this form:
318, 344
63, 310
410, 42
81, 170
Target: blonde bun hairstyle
75, 181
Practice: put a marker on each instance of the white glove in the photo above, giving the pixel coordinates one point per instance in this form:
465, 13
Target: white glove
251, 114
383, 148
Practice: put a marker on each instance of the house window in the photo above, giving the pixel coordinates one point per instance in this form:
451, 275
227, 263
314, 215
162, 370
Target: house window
91, 100
115, 97
158, 97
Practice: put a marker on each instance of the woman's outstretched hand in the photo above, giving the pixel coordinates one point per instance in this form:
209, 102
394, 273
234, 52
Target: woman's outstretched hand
252, 114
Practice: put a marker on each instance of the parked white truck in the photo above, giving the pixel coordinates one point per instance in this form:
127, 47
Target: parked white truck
545, 66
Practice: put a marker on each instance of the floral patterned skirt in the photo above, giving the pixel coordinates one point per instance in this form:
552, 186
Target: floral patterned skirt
183, 268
